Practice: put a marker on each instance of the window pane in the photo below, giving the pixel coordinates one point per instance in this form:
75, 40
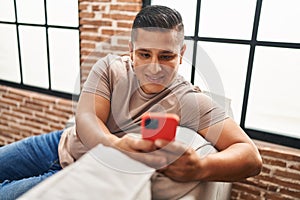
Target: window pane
227, 19
222, 68
185, 69
9, 57
64, 60
274, 94
280, 21
187, 11
63, 12
34, 56
7, 11
31, 11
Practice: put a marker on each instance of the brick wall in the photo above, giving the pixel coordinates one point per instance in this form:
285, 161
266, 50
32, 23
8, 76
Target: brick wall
104, 26
279, 179
24, 113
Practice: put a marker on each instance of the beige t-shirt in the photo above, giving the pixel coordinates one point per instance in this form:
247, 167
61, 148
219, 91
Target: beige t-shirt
113, 78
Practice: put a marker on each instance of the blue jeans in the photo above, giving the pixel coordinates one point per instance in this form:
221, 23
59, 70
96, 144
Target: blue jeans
26, 163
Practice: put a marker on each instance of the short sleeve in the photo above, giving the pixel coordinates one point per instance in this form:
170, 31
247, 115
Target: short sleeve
199, 111
99, 80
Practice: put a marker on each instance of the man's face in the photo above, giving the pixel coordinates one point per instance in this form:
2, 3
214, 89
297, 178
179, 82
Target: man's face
156, 56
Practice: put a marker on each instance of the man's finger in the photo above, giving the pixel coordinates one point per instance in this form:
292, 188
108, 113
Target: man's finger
151, 159
176, 148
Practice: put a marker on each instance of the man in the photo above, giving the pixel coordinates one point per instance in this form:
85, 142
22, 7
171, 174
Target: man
119, 90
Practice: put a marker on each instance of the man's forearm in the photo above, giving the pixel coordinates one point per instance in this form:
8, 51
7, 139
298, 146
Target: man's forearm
92, 131
234, 163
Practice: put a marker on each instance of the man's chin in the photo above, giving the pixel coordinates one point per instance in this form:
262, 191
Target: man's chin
153, 88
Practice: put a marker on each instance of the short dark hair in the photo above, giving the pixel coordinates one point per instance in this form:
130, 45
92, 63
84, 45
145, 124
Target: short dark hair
158, 17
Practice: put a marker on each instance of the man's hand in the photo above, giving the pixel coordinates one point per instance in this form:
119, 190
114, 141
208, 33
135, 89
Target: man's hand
141, 150
183, 163
174, 159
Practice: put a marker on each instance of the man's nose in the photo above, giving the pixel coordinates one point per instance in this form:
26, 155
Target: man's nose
155, 66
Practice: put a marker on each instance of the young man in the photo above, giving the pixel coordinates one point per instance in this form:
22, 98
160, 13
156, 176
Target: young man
118, 91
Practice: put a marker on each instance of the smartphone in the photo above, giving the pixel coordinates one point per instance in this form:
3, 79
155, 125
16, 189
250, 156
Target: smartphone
159, 126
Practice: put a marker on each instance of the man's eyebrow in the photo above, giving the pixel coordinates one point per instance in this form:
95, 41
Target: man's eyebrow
147, 50
162, 51
167, 51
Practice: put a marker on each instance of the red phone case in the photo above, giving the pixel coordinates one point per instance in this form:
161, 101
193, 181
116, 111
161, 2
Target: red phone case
159, 126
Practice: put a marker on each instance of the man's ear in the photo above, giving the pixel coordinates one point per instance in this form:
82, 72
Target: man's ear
182, 50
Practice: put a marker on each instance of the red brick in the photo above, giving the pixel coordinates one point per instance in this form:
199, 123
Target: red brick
95, 22
260, 184
12, 114
85, 52
66, 102
89, 29
58, 114
4, 140
119, 16
86, 15
93, 38
19, 127
130, 1
4, 107
3, 89
247, 189
284, 183
8, 118
47, 117
37, 102
287, 174
265, 169
277, 196
282, 153
234, 194
9, 102
88, 45
56, 126
62, 109
6, 131
127, 7
124, 25
22, 112
15, 97
23, 93
108, 31
289, 157
295, 166
246, 196
30, 124
294, 194
44, 98
47, 129
274, 162
83, 6
96, 8
34, 119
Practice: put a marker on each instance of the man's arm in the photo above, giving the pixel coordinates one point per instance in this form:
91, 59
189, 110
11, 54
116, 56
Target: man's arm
237, 158
91, 117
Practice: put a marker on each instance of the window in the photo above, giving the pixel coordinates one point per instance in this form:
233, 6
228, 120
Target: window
248, 51
40, 45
